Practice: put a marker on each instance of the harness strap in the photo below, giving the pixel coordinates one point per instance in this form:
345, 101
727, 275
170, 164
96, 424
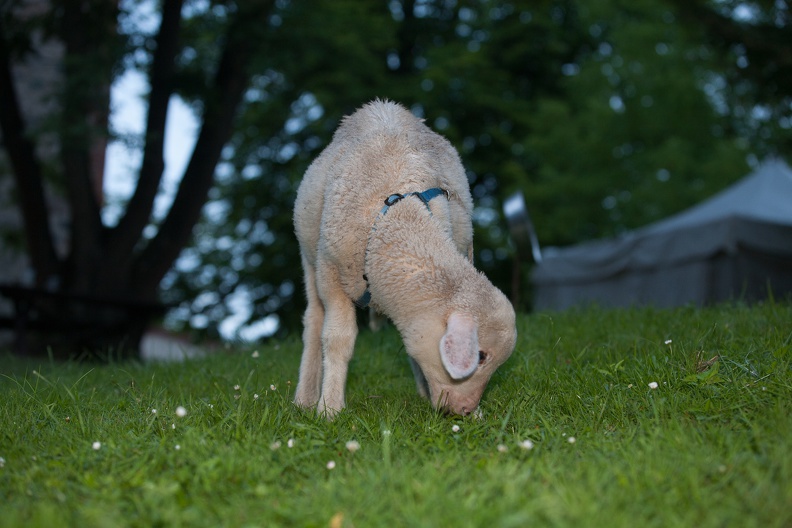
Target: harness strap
425, 196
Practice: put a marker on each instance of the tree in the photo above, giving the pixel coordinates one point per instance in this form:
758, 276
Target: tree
117, 262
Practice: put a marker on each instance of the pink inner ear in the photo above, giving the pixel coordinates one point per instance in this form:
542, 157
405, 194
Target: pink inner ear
459, 346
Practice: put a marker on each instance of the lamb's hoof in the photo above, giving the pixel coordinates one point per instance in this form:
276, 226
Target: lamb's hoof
304, 403
328, 412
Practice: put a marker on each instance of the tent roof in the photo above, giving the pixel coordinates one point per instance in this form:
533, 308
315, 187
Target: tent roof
754, 212
764, 195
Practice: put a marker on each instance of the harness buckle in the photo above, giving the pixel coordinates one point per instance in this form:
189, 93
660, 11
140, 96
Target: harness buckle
393, 198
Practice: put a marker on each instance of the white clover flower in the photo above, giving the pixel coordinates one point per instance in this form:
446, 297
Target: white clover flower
571, 439
653, 385
153, 411
173, 426
275, 445
502, 448
526, 444
2, 462
331, 465
96, 446
273, 388
290, 443
255, 354
352, 446
386, 432
255, 396
181, 412
177, 447
667, 341
455, 428
237, 387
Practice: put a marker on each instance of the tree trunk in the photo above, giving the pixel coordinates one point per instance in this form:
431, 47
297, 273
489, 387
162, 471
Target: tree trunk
26, 168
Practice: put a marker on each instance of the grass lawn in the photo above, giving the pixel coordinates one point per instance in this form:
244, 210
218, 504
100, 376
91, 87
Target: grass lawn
572, 434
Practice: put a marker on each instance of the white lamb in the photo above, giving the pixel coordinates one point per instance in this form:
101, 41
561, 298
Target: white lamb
411, 256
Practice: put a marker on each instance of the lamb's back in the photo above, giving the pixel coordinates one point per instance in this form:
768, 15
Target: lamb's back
379, 150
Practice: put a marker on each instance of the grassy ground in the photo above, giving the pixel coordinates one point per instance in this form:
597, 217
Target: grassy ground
710, 446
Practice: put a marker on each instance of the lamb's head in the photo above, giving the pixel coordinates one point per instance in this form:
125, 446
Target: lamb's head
459, 348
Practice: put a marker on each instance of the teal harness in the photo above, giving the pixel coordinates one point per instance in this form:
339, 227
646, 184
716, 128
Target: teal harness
393, 199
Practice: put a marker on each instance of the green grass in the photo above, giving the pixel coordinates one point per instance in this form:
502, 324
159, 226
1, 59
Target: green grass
711, 446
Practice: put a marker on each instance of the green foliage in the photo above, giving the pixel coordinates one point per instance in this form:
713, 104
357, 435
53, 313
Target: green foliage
704, 449
752, 82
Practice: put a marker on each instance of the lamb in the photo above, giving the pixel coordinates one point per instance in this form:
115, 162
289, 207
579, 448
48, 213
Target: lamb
384, 213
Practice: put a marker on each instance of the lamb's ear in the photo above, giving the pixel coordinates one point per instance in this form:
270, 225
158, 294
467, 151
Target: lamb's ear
459, 346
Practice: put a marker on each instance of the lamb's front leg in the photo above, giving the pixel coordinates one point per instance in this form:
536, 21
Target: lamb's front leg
310, 383
338, 343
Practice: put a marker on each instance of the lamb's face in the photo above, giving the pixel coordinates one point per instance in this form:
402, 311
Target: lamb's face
459, 355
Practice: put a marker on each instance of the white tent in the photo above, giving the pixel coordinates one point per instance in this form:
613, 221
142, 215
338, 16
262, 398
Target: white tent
735, 245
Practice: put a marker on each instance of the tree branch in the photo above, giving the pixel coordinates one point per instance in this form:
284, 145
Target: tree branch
230, 82
27, 173
406, 39
138, 211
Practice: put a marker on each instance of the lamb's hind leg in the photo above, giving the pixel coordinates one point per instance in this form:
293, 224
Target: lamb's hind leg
338, 341
310, 383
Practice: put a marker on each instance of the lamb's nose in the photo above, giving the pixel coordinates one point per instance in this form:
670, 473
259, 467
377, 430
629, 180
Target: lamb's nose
465, 411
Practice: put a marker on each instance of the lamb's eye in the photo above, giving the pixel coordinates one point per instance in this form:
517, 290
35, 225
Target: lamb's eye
482, 357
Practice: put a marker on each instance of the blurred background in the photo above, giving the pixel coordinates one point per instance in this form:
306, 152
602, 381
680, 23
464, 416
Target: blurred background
151, 151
